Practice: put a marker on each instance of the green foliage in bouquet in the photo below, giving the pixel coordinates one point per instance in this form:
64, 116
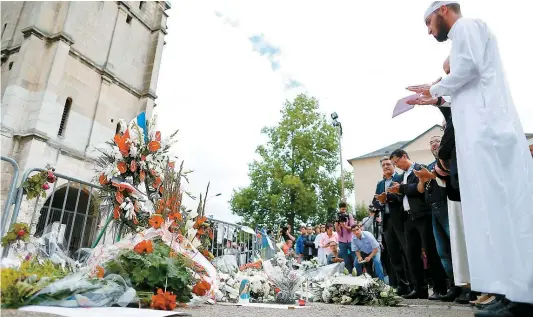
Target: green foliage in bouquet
19, 284
19, 231
37, 185
160, 268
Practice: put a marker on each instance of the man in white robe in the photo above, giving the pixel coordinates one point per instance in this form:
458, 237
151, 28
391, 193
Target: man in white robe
495, 166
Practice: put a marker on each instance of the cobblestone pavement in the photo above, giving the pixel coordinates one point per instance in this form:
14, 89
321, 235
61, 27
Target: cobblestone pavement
412, 308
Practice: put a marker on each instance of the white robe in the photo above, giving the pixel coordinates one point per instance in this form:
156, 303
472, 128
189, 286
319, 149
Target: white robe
461, 273
495, 167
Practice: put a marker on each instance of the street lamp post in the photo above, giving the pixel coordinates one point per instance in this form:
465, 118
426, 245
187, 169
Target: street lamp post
338, 125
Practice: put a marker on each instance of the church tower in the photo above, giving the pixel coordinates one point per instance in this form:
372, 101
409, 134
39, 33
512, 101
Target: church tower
70, 71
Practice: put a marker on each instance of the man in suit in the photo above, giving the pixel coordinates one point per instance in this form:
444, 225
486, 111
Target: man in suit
391, 208
418, 229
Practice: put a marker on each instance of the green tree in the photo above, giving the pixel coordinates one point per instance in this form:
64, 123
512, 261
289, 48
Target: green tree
295, 179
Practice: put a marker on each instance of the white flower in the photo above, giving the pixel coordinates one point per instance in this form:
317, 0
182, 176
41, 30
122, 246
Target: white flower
191, 233
196, 243
189, 224
193, 214
133, 151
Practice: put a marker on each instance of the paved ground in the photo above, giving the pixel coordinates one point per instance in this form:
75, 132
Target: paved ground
414, 308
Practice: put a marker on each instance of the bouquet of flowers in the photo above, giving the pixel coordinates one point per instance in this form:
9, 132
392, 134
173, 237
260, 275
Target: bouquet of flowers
284, 277
135, 159
261, 289
360, 290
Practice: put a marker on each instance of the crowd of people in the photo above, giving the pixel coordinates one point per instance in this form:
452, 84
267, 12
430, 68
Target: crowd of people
460, 224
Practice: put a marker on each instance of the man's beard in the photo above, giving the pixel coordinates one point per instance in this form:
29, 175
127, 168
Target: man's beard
442, 35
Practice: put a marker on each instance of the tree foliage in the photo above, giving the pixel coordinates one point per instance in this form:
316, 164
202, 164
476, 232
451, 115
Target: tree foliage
296, 177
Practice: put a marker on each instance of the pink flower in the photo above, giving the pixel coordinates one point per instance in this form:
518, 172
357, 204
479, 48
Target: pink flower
46, 186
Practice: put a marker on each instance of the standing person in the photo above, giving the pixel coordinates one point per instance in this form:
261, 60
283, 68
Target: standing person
299, 250
367, 250
343, 227
321, 255
393, 226
309, 244
495, 165
328, 240
418, 230
285, 234
435, 195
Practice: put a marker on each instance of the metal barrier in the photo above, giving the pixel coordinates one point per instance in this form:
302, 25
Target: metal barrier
10, 195
233, 239
71, 205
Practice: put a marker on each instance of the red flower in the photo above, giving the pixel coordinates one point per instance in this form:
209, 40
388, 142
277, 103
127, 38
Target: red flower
103, 179
154, 146
122, 167
120, 141
133, 166
158, 136
46, 186
144, 246
21, 233
163, 300
119, 197
156, 221
201, 288
116, 212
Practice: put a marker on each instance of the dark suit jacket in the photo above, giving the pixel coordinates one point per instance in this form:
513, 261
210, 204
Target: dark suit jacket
417, 200
394, 201
448, 154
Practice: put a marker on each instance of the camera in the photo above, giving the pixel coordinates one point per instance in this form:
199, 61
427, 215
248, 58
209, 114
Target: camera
342, 217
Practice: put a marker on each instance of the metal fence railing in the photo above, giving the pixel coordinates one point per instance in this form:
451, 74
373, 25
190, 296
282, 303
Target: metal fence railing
9, 200
72, 209
234, 239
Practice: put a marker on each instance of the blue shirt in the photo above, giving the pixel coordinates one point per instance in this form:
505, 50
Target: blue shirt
300, 244
366, 244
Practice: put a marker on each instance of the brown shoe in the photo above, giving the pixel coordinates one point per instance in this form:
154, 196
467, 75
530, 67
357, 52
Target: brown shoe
480, 299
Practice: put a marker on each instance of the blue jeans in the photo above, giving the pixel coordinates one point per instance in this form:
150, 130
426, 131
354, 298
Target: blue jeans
441, 231
347, 255
376, 261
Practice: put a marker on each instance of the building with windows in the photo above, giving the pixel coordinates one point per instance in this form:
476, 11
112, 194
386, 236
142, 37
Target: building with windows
70, 71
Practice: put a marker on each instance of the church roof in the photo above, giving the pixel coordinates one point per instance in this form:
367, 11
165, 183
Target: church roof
386, 151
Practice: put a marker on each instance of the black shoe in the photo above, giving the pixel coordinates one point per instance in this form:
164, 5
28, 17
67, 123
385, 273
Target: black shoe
464, 298
436, 296
452, 294
493, 306
423, 294
403, 290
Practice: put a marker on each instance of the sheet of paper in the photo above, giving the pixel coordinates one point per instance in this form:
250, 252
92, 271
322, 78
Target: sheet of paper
402, 106
103, 311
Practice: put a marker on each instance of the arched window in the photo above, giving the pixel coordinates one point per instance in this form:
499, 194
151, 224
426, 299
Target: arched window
64, 118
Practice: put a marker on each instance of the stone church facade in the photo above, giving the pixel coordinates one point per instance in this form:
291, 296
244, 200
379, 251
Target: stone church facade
70, 71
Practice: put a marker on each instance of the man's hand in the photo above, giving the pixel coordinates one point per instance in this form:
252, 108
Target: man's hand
394, 188
368, 259
424, 174
382, 198
423, 100
420, 89
359, 259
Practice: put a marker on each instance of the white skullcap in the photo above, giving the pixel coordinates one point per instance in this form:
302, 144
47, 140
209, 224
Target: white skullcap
435, 6
530, 141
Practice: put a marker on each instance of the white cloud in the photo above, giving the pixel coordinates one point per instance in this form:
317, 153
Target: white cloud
356, 58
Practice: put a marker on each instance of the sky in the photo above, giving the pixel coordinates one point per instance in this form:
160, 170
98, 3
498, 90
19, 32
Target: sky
228, 67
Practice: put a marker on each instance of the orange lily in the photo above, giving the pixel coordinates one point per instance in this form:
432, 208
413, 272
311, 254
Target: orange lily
122, 167
154, 146
120, 141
